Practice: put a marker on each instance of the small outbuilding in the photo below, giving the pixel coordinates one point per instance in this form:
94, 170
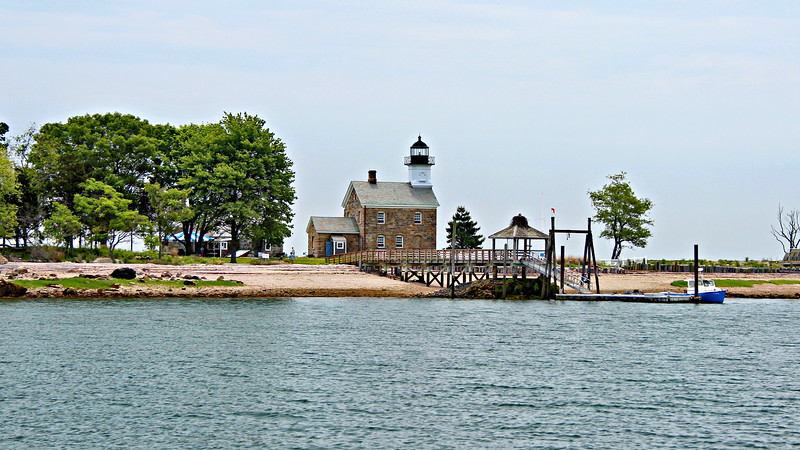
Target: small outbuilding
332, 235
523, 237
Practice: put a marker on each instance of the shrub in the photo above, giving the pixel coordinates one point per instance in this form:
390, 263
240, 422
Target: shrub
46, 253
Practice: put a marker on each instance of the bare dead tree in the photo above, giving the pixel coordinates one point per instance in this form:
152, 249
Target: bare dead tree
788, 231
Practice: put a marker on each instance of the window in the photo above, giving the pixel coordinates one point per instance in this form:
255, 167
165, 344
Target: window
398, 242
224, 245
417, 218
381, 242
381, 217
340, 245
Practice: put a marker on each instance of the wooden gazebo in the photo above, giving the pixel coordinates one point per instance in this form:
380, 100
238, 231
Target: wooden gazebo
519, 232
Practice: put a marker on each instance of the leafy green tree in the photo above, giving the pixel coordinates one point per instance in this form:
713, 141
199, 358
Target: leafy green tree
168, 210
30, 204
272, 230
62, 225
119, 149
9, 189
623, 214
238, 170
466, 230
179, 167
106, 212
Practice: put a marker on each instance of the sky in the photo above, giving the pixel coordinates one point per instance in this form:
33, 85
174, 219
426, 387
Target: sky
526, 105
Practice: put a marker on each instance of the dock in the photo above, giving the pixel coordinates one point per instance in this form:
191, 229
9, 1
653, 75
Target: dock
459, 266
632, 298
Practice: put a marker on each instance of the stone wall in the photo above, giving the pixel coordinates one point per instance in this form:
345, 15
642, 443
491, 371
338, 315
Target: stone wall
316, 243
400, 222
354, 209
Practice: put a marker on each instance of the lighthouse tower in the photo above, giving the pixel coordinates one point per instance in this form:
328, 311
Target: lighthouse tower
419, 164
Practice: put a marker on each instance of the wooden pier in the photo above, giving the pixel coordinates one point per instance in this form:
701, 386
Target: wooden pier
439, 267
451, 267
448, 267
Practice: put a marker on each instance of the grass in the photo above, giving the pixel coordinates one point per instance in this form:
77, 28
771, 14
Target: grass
738, 283
49, 253
91, 283
77, 283
785, 282
213, 260
308, 261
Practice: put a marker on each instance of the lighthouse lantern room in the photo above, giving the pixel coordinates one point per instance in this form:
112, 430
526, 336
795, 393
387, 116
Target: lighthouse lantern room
419, 164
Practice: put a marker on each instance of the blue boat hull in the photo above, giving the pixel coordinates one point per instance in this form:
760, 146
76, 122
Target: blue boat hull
712, 297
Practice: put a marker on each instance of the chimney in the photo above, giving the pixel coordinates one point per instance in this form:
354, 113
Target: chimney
373, 177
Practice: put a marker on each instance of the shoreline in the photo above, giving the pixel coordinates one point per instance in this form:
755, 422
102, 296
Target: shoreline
296, 280
268, 280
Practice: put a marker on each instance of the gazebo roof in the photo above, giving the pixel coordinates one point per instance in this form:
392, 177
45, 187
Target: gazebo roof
519, 229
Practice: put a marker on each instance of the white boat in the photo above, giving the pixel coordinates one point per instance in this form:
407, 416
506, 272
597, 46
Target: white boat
667, 296
708, 290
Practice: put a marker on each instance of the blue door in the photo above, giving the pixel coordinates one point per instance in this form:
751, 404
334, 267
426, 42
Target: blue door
328, 248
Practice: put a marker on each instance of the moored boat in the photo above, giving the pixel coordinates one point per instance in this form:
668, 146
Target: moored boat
708, 290
667, 296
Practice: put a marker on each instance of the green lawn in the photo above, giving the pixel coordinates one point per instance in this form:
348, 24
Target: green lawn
211, 260
308, 261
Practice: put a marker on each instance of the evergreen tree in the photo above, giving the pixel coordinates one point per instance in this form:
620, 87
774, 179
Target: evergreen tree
466, 230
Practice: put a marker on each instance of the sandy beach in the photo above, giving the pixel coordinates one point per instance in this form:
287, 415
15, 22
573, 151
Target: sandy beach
273, 280
297, 280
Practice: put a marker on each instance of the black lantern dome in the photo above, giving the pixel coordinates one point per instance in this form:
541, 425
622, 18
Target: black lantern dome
419, 144
420, 153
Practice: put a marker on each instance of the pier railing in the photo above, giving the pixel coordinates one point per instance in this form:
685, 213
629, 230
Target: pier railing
573, 279
430, 257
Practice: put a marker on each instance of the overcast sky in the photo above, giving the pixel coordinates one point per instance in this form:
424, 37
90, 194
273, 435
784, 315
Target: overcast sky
526, 105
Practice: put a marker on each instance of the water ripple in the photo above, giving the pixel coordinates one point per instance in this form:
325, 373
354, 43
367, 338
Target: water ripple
388, 373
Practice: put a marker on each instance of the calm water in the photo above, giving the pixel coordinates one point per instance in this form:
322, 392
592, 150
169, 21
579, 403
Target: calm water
394, 373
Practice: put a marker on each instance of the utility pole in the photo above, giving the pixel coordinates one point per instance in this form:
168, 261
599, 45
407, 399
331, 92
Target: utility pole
696, 274
453, 261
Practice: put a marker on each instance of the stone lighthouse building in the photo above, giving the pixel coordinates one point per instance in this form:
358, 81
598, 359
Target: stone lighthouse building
382, 215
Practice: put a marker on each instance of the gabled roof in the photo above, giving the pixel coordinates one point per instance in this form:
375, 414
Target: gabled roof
333, 225
391, 195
